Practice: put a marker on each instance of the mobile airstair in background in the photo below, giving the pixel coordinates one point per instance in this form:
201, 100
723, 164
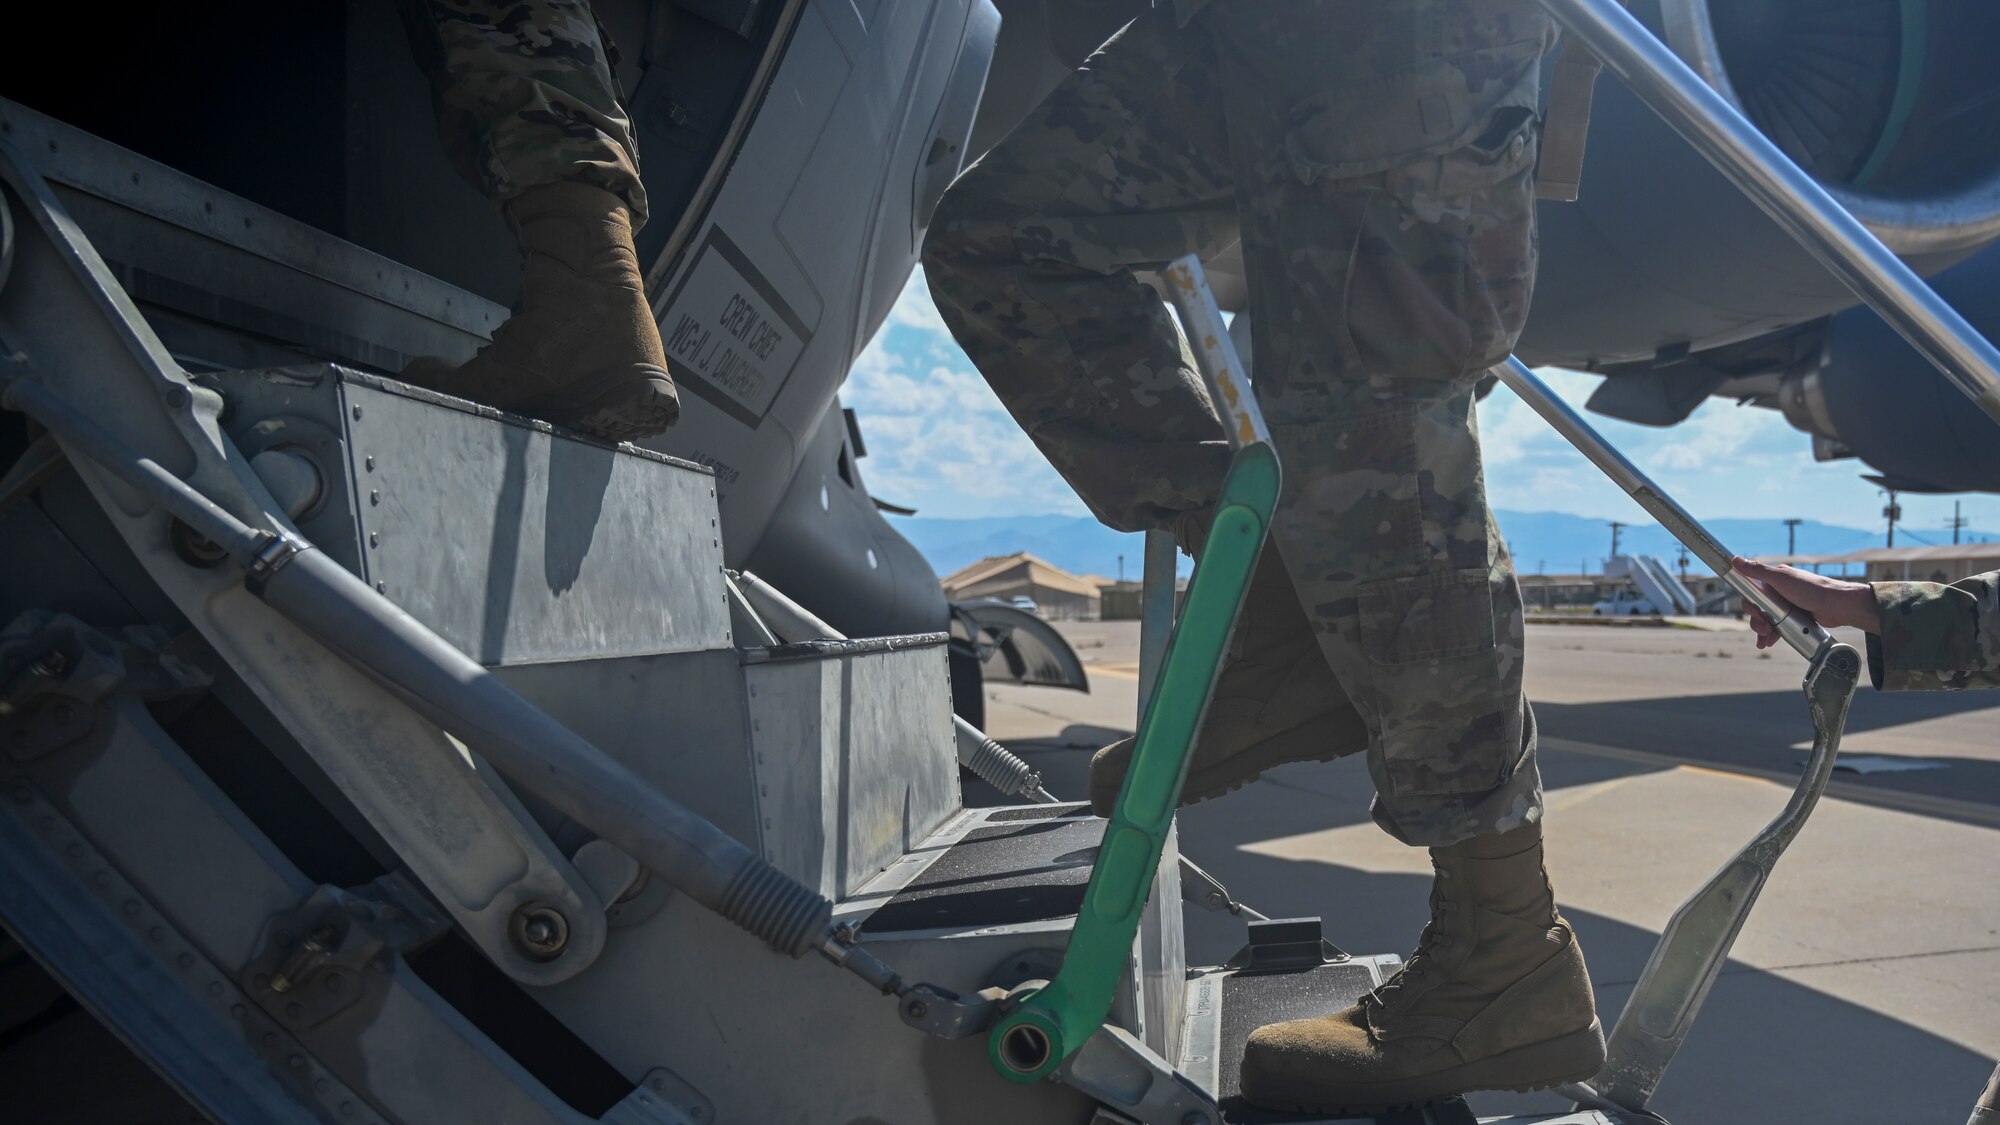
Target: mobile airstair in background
1650, 576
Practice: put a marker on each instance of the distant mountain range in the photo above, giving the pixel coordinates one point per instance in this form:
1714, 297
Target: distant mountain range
1551, 542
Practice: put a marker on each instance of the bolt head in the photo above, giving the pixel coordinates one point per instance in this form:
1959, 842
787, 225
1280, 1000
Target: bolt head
540, 932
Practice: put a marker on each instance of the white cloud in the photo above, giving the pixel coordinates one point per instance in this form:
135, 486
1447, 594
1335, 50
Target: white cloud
1719, 434
914, 309
1725, 461
938, 439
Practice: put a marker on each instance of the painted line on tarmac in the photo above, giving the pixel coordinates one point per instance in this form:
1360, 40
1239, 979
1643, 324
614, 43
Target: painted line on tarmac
1115, 671
1860, 793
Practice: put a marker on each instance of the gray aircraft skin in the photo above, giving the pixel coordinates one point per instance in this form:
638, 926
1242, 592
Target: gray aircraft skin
304, 883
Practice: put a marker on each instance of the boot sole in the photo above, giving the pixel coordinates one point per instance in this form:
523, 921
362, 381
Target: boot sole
1575, 1057
1298, 744
632, 402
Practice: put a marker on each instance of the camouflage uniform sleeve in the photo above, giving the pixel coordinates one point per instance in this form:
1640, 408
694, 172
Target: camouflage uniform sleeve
1936, 637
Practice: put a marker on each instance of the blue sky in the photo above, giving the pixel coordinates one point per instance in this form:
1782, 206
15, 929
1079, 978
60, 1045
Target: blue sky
940, 442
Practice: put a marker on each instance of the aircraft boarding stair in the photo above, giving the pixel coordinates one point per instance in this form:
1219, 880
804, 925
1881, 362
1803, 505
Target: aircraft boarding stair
375, 756
1652, 579
489, 762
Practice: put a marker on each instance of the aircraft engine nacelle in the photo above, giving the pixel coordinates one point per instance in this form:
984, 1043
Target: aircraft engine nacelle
1872, 395
1893, 105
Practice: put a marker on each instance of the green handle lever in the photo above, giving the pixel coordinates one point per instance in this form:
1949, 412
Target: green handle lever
1053, 1022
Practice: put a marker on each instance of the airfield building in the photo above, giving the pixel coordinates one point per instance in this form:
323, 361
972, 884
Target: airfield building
1058, 595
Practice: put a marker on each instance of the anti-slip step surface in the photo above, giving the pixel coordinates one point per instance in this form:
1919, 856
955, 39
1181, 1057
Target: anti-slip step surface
1250, 1001
1000, 875
1037, 812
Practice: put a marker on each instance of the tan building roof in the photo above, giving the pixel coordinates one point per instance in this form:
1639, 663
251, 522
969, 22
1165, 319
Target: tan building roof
1016, 568
1942, 553
1945, 553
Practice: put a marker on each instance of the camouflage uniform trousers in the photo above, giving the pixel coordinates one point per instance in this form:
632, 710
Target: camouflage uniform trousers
1936, 637
525, 95
1375, 159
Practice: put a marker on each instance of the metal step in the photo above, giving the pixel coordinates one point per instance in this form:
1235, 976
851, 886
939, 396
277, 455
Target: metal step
516, 542
991, 898
1225, 1005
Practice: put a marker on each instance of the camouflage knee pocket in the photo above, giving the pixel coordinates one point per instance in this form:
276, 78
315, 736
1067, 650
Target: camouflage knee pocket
1447, 700
1438, 186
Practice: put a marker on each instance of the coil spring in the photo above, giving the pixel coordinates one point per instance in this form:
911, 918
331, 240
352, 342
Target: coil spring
1000, 768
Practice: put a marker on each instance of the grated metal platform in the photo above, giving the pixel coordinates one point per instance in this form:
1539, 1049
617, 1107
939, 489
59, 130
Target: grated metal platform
1027, 870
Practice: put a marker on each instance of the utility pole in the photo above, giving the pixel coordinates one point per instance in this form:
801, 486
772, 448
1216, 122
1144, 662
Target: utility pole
1121, 568
1615, 528
1894, 511
1792, 536
1956, 523
1684, 561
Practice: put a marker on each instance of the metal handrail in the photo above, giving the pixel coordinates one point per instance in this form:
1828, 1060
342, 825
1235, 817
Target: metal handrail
1798, 630
1696, 942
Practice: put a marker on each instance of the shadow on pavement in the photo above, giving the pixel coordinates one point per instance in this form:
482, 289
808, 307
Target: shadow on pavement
1765, 730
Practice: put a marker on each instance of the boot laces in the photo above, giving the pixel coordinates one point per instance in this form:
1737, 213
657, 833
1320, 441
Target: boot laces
1417, 965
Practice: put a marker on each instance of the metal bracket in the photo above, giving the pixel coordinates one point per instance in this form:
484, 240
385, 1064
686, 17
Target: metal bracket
1696, 941
323, 956
56, 673
135, 968
1117, 1069
662, 1098
1285, 945
947, 1015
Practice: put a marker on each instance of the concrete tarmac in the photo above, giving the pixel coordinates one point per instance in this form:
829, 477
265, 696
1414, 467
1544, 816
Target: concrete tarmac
1865, 989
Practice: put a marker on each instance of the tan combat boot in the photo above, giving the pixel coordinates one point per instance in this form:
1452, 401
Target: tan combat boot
1495, 997
581, 350
1275, 701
